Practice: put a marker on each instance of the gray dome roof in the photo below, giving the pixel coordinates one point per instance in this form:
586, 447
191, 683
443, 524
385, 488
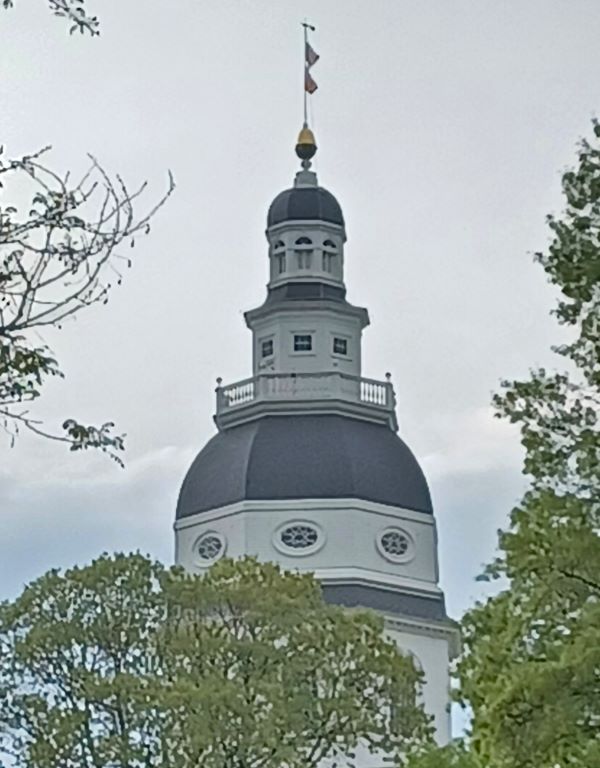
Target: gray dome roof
303, 457
305, 203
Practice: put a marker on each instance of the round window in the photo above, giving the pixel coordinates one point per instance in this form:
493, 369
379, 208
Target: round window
395, 544
210, 547
298, 538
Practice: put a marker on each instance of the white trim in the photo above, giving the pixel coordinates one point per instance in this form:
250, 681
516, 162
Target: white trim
370, 578
303, 506
300, 225
447, 630
342, 337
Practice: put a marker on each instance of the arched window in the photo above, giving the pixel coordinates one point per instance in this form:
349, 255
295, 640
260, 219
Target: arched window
304, 252
329, 256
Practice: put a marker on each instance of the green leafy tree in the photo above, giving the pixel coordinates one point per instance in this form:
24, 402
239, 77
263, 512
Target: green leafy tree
60, 242
125, 664
531, 667
457, 754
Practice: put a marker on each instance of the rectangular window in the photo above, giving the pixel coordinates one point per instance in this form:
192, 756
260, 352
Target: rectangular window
266, 348
304, 259
340, 346
328, 262
302, 342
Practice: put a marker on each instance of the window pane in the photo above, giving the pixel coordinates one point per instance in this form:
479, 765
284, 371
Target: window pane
267, 348
304, 259
302, 343
340, 346
328, 261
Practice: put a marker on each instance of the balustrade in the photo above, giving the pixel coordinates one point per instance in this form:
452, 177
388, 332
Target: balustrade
306, 386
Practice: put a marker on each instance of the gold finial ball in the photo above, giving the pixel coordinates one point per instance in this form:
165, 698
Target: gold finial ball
306, 145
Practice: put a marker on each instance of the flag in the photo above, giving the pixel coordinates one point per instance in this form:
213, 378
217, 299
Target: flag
311, 56
309, 84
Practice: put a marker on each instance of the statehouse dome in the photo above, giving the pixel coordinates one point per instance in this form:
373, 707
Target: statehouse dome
304, 457
305, 204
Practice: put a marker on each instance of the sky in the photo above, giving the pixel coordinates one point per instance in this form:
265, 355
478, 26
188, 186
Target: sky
443, 129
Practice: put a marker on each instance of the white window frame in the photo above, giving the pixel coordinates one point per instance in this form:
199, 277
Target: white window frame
295, 351
300, 551
407, 556
202, 562
345, 337
265, 340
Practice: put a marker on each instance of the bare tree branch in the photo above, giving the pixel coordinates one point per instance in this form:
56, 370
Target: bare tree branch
74, 11
59, 254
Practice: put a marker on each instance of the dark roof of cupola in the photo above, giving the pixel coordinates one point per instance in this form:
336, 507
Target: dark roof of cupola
305, 204
306, 291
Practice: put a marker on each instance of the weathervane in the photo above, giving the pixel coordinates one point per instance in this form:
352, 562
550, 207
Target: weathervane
306, 146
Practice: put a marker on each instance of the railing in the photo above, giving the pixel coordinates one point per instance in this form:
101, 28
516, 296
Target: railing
305, 387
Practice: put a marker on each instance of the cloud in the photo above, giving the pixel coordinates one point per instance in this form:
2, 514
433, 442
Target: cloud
470, 441
55, 522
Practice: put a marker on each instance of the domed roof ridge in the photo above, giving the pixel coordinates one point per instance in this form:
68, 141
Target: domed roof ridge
251, 443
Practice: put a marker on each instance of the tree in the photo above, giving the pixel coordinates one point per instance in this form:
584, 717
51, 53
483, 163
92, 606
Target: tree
125, 664
457, 754
74, 11
531, 667
57, 258
59, 254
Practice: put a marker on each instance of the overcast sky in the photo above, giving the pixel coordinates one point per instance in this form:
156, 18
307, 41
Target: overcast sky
443, 128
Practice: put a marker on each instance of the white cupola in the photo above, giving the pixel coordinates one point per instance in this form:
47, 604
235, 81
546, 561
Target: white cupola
306, 326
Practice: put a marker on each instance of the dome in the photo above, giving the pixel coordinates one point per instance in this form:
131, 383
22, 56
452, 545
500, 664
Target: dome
305, 203
303, 457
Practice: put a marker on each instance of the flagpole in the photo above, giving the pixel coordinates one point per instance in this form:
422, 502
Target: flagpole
306, 146
305, 25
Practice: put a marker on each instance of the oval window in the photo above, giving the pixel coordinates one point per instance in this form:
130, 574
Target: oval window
210, 547
396, 545
298, 538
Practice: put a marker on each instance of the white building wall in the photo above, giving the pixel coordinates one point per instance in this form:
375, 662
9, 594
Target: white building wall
348, 544
305, 262
431, 649
347, 552
323, 326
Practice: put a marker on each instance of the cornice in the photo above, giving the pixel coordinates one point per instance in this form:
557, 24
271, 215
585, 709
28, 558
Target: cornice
303, 505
